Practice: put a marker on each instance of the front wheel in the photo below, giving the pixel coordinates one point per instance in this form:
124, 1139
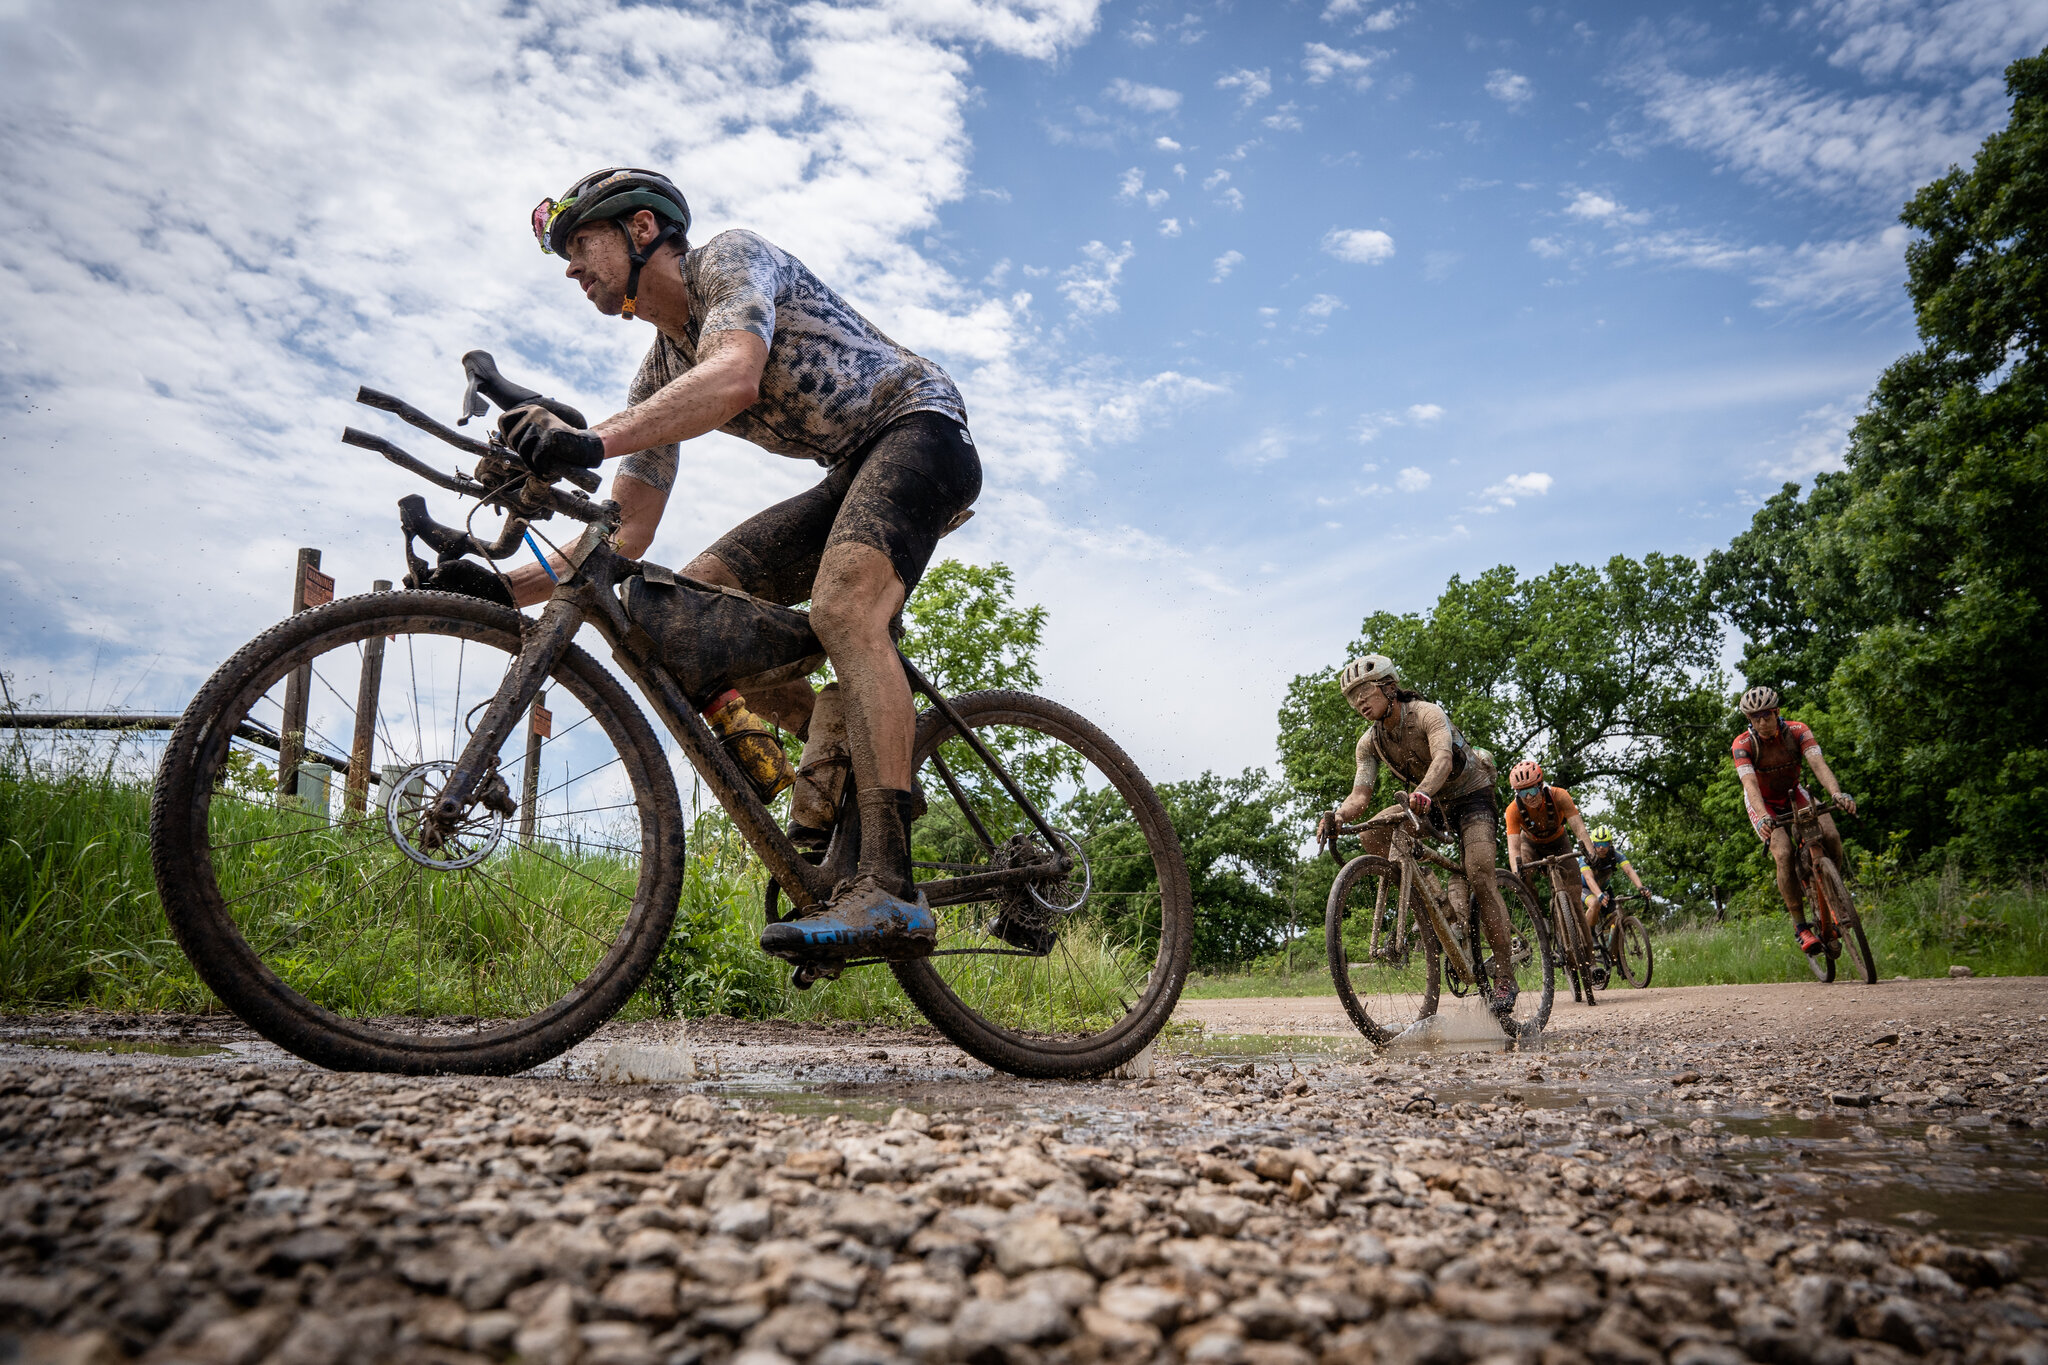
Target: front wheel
1531, 952
1386, 970
1638, 962
1847, 923
1059, 974
336, 921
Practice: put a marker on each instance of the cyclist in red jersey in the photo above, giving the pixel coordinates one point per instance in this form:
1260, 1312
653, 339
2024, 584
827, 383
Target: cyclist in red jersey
1767, 759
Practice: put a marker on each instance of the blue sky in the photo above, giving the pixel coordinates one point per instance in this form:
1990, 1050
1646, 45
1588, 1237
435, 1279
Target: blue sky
1267, 316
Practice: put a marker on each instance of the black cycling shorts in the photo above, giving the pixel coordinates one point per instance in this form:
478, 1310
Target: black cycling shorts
1451, 816
898, 494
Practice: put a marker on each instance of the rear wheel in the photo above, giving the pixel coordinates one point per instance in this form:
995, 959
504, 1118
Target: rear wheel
1637, 960
1385, 968
334, 924
1064, 974
1847, 923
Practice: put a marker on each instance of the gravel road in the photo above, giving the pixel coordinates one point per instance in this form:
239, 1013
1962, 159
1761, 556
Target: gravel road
1819, 1176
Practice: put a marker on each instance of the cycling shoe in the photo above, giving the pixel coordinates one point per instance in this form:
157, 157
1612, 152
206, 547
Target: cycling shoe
1809, 941
862, 920
1502, 1002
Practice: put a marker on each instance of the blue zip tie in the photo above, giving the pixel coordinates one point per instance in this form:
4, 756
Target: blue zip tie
544, 566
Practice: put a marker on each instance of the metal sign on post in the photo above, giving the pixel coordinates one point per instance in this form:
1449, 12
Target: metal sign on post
298, 687
367, 689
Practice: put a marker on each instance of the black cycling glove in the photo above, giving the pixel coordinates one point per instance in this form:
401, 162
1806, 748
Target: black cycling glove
548, 444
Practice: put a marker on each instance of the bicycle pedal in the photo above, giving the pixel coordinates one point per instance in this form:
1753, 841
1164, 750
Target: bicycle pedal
811, 973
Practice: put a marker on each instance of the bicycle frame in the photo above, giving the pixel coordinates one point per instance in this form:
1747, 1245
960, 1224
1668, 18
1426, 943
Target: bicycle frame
1804, 825
1407, 852
587, 594
1565, 891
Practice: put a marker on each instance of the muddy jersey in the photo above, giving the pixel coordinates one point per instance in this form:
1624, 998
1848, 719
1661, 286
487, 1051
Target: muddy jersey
1775, 763
832, 380
1425, 751
1544, 820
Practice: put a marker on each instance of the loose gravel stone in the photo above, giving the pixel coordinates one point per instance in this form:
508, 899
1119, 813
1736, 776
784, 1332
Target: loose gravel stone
1574, 1207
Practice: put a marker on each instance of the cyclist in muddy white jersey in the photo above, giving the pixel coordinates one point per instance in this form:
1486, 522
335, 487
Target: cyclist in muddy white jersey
749, 342
1451, 785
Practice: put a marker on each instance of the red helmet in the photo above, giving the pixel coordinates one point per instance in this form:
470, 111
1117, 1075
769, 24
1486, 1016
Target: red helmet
1527, 773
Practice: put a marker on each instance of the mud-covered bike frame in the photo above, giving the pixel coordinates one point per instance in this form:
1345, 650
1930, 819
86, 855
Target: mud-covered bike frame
1420, 902
587, 594
443, 814
1574, 951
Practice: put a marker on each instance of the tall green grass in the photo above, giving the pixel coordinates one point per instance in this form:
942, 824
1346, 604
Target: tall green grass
81, 924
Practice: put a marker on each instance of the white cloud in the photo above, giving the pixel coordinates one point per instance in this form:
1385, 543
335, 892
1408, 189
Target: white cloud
1224, 264
1285, 119
1321, 62
1360, 246
1549, 248
1165, 144
1169, 227
1215, 178
1918, 40
1416, 415
1518, 486
1232, 198
1140, 34
1251, 86
1819, 443
272, 240
1590, 205
1412, 480
1322, 305
1089, 287
1146, 99
1273, 443
1510, 89
1770, 127
1154, 198
1374, 20
1130, 184
1858, 274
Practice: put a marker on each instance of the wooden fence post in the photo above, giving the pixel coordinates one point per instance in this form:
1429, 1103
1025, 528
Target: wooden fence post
539, 725
367, 689
310, 588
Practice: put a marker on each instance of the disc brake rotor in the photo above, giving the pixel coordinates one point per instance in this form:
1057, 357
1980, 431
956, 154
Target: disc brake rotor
406, 812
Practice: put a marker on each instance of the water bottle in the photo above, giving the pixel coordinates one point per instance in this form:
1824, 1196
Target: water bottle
751, 744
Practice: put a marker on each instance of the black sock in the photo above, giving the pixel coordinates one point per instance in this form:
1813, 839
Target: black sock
885, 817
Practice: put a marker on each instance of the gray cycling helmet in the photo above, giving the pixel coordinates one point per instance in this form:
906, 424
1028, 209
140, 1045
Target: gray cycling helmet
611, 194
1372, 668
1758, 700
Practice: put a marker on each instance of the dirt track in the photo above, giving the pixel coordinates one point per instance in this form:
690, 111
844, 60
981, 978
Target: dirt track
1844, 1176
1718, 1012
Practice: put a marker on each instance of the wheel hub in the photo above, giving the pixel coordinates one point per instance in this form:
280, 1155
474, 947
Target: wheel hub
412, 815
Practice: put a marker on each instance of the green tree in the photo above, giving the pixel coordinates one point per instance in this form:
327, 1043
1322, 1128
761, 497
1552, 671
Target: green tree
962, 627
1911, 584
1798, 618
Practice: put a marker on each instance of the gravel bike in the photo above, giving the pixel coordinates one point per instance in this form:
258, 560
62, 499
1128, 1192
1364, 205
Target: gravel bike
443, 921
1834, 916
1400, 896
1574, 946
1623, 944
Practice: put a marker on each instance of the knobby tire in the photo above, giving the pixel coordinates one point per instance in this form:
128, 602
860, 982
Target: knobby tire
182, 852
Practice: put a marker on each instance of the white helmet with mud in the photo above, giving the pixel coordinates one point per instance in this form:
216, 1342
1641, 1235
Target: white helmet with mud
1371, 670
